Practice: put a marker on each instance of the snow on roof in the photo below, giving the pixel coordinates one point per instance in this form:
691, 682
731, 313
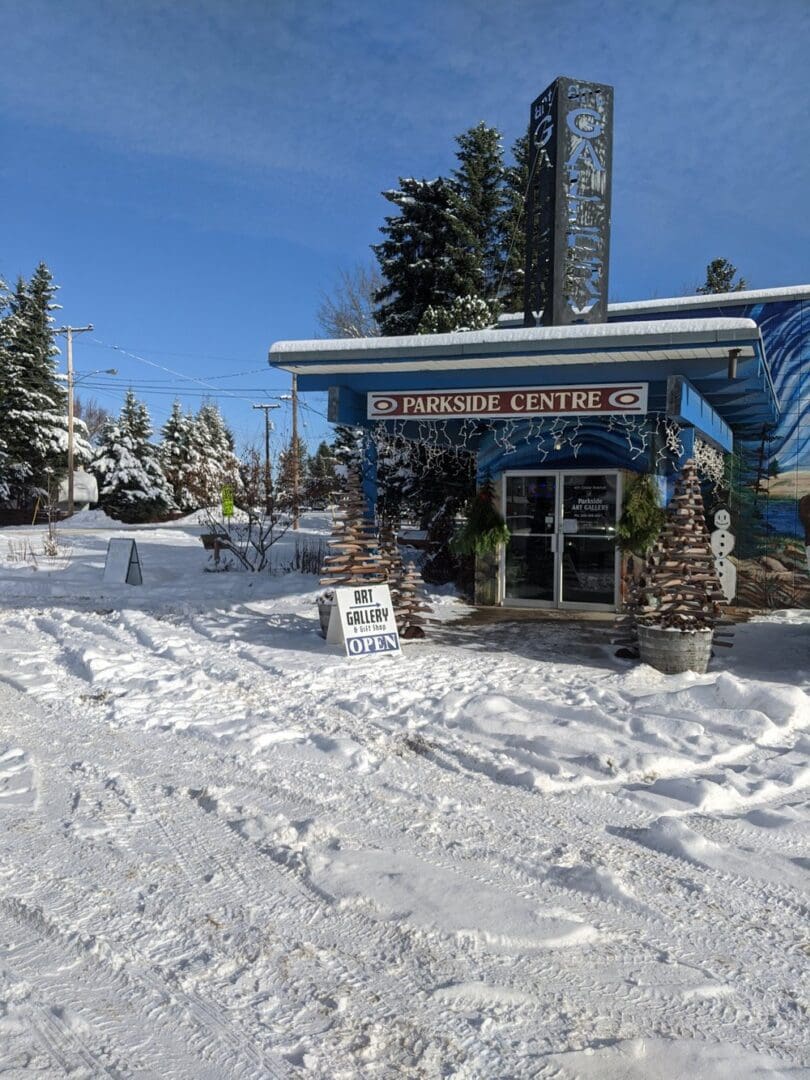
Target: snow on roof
587, 333
675, 303
744, 296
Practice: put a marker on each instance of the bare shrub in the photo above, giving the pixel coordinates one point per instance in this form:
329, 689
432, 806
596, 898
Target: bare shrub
308, 556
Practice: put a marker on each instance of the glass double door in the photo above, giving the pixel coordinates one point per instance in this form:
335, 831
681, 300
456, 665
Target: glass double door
562, 546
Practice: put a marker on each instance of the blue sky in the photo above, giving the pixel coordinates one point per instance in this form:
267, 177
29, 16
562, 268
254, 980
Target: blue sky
197, 173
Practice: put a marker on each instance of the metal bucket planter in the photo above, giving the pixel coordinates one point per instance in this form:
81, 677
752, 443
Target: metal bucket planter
673, 651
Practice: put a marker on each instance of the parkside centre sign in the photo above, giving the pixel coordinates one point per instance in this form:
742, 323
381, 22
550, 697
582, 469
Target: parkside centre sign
594, 399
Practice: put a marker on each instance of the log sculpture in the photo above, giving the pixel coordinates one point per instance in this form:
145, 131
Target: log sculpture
355, 558
682, 590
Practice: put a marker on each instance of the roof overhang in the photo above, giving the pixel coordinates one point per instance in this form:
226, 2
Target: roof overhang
536, 346
645, 350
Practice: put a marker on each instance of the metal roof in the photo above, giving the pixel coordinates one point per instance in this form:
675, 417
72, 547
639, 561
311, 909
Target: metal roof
650, 350
522, 347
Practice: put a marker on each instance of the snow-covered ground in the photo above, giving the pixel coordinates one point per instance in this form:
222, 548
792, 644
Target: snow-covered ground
226, 851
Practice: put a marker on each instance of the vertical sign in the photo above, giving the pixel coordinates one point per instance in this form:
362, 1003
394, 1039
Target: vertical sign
568, 204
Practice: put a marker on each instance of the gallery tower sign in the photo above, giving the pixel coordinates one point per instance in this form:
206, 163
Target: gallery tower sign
568, 204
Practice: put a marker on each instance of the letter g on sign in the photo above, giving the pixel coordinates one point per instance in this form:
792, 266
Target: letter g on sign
573, 121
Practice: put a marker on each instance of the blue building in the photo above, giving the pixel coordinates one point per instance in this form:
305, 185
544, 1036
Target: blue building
560, 416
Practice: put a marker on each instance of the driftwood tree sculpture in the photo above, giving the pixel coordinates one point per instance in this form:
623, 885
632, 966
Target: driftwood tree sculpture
682, 590
356, 558
412, 605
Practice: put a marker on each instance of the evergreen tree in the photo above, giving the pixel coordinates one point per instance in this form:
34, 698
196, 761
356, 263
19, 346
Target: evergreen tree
720, 277
424, 259
285, 482
211, 462
33, 405
322, 481
6, 474
512, 227
132, 485
478, 199
465, 313
347, 448
180, 458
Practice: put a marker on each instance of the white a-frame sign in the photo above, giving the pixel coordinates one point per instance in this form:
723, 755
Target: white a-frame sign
122, 566
362, 620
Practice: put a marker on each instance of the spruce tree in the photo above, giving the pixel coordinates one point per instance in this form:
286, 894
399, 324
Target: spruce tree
720, 278
465, 313
424, 259
132, 485
347, 447
223, 446
6, 475
179, 457
322, 481
512, 227
213, 463
285, 481
33, 405
478, 199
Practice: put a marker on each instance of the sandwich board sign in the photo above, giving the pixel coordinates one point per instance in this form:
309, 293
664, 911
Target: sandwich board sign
362, 620
122, 566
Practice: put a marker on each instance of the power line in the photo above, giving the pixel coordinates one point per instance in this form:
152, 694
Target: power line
191, 356
168, 370
173, 391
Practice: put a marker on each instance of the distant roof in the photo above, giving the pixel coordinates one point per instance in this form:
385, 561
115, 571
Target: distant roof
676, 303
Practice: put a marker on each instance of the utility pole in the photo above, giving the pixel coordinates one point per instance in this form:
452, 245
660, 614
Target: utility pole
70, 331
296, 465
268, 483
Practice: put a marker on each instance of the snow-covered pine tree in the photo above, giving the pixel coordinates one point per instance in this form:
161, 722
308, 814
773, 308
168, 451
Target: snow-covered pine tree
322, 483
180, 458
424, 259
398, 462
347, 446
132, 485
213, 461
512, 227
478, 200
465, 313
720, 274
33, 404
285, 480
6, 475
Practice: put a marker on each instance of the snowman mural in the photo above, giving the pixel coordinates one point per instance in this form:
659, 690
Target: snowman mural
722, 546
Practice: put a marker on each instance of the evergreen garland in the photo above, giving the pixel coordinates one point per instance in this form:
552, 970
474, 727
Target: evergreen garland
642, 515
485, 529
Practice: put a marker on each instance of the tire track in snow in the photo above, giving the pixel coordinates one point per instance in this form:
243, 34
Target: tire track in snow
378, 998
520, 808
